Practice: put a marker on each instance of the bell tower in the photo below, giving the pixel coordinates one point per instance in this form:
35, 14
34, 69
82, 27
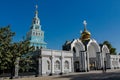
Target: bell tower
36, 35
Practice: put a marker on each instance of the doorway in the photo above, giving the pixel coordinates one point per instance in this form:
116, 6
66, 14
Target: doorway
76, 66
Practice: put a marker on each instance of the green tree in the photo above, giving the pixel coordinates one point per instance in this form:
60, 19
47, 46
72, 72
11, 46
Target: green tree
19, 49
27, 64
10, 51
110, 47
5, 45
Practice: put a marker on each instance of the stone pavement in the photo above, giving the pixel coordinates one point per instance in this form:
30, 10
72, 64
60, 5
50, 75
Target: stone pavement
92, 75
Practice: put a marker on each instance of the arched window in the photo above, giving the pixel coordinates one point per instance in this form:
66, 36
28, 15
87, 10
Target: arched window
33, 33
36, 34
48, 65
37, 47
57, 65
34, 21
74, 52
66, 65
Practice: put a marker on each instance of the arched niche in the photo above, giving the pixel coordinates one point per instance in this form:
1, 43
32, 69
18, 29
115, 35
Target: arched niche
106, 56
93, 48
77, 46
105, 50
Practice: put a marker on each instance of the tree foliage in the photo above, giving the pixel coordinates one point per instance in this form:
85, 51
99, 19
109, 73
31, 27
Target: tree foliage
5, 46
9, 50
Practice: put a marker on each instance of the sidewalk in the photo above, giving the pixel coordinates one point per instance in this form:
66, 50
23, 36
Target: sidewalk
64, 76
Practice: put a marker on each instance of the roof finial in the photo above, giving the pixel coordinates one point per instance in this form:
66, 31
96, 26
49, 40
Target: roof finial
36, 11
85, 24
36, 6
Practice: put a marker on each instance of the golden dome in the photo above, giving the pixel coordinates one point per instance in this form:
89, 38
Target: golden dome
86, 32
85, 35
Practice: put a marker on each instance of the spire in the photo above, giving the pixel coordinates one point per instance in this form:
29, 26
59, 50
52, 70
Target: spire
36, 19
36, 11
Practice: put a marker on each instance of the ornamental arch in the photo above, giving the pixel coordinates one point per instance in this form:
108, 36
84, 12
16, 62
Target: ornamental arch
105, 57
77, 47
93, 55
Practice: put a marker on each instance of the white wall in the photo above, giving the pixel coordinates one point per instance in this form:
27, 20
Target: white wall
115, 61
59, 55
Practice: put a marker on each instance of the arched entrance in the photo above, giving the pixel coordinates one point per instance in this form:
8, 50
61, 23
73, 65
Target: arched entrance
76, 66
94, 56
77, 47
105, 57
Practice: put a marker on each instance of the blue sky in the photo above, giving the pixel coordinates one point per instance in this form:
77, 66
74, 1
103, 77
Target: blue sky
62, 19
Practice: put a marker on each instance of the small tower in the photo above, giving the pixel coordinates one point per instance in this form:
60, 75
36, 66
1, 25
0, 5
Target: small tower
85, 35
35, 34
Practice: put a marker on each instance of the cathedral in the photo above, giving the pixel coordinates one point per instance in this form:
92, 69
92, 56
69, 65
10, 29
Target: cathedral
79, 55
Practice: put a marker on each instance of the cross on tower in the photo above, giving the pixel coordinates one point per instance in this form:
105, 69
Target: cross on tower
36, 7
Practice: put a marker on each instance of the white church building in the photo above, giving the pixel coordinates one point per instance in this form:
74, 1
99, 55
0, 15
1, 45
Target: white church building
80, 55
87, 54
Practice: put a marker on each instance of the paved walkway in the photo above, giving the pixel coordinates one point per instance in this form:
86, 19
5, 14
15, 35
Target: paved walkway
92, 75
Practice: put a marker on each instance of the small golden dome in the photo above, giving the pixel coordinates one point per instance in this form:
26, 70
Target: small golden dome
85, 35
86, 32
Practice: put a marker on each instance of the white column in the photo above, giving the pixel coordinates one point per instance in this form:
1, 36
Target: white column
101, 55
80, 61
85, 56
39, 66
102, 60
88, 67
52, 65
111, 63
99, 60
84, 61
62, 64
72, 65
107, 60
